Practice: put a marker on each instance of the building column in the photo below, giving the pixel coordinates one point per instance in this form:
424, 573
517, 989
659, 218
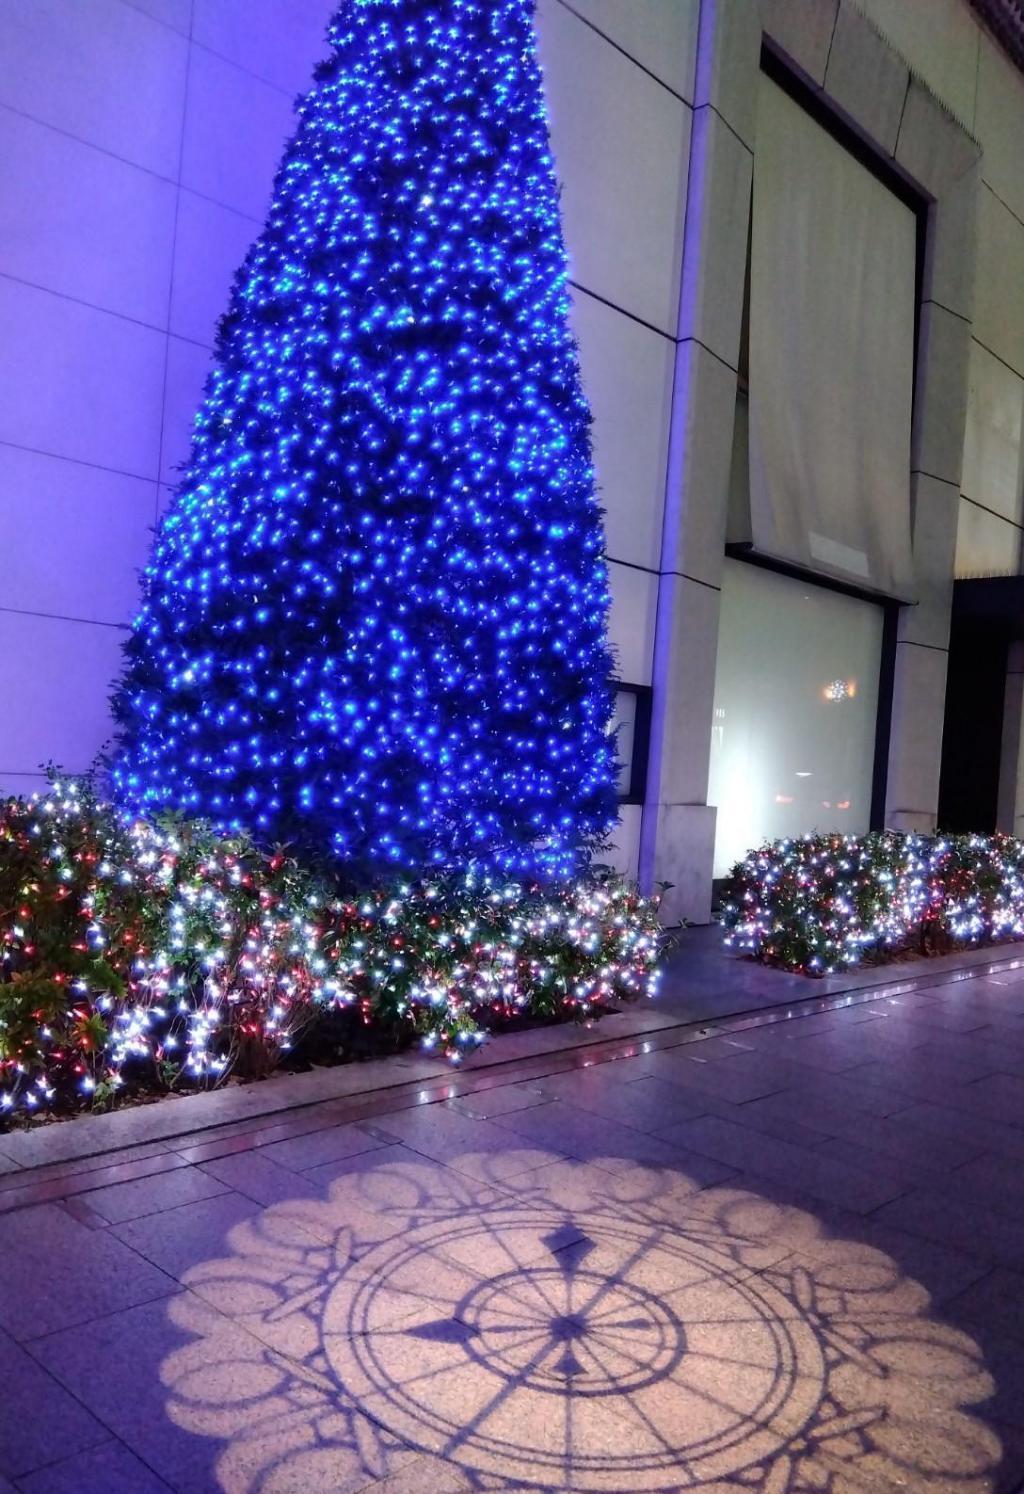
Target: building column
1010, 803
937, 443
678, 826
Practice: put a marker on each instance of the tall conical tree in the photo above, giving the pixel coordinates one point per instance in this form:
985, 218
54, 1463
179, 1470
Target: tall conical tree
374, 619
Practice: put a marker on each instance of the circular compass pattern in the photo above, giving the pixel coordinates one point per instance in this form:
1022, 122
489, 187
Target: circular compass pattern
591, 1332
600, 1337
703, 1362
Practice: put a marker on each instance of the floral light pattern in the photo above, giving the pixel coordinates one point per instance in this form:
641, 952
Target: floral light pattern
599, 1330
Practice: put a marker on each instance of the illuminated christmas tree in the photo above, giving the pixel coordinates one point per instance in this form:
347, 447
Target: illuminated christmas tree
374, 619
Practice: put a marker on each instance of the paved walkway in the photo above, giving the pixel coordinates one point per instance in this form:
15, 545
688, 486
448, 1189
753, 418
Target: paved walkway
786, 1259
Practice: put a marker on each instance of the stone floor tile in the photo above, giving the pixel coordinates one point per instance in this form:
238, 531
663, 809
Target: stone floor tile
997, 1300
740, 1079
317, 1147
152, 1195
561, 1127
941, 1017
979, 1130
480, 1148
652, 1193
253, 1174
425, 1475
725, 1045
853, 1089
39, 1420
484, 1104
934, 1213
111, 1469
915, 1085
55, 1272
895, 1137
396, 1185
942, 1271
945, 1272
1009, 1477
815, 1173
181, 1238
1005, 1091
609, 1146
1004, 1363
983, 1100
906, 1172
118, 1167
952, 1061
1000, 1174
777, 1116
834, 1052
209, 1151
974, 1053
172, 1372
645, 1104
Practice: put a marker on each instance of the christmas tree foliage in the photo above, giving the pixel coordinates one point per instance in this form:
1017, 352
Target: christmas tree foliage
374, 619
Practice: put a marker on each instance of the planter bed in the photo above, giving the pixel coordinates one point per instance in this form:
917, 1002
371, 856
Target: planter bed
142, 959
822, 904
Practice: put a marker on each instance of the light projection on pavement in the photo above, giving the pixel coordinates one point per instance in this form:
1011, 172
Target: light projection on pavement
591, 1327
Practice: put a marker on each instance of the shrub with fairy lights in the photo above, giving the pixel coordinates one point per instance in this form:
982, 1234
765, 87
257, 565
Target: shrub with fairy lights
822, 903
142, 957
374, 622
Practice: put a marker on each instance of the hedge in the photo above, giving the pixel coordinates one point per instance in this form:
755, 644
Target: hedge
149, 957
826, 902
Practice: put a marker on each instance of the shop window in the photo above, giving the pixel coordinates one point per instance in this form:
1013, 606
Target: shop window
796, 701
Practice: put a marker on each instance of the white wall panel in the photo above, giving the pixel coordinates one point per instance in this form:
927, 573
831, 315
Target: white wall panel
174, 13
236, 128
621, 145
63, 669
625, 841
660, 34
278, 40
999, 124
939, 38
212, 242
78, 220
986, 545
998, 302
187, 368
631, 624
21, 783
77, 382
74, 537
627, 377
101, 70
992, 439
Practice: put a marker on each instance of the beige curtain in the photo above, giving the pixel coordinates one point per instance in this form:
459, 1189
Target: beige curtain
831, 356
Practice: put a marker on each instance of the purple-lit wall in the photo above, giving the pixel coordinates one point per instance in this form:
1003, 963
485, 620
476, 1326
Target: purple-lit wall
138, 143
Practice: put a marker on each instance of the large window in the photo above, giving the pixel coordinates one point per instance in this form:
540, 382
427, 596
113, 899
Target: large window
796, 696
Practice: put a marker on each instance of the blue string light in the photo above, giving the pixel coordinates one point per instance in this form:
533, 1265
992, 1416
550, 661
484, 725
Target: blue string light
374, 622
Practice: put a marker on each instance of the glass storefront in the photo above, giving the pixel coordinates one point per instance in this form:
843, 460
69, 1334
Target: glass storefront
796, 698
